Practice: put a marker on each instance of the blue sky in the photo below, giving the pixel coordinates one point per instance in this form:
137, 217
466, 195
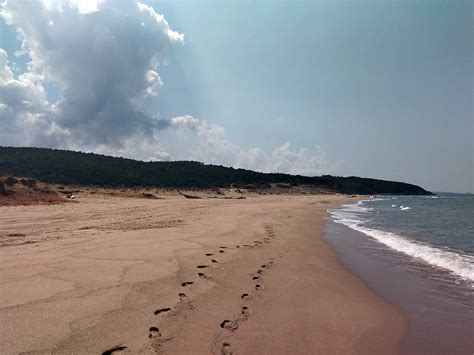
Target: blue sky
372, 88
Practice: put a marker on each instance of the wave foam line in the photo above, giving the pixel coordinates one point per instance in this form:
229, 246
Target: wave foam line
458, 264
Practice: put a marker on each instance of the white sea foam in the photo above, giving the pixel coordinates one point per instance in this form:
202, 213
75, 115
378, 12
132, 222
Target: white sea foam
404, 208
394, 205
461, 265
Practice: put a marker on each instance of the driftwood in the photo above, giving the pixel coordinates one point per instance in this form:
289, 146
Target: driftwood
189, 196
217, 197
114, 349
228, 198
150, 196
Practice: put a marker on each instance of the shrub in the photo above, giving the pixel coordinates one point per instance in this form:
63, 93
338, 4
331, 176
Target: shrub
3, 190
10, 181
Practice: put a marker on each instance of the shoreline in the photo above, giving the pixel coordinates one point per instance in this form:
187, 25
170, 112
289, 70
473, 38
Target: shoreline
102, 268
438, 313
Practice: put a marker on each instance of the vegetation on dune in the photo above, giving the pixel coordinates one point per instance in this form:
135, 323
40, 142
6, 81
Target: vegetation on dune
77, 168
3, 190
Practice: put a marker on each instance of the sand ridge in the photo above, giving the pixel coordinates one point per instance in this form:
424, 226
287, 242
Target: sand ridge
248, 276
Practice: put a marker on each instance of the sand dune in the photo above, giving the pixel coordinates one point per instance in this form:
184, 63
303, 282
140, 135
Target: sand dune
183, 276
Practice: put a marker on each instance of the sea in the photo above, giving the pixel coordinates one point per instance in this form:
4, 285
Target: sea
418, 253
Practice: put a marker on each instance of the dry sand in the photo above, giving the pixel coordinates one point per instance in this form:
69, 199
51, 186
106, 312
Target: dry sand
85, 277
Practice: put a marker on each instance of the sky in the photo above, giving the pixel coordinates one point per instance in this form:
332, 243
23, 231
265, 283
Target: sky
380, 89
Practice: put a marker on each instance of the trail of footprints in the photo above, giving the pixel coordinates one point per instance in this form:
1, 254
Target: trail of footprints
229, 325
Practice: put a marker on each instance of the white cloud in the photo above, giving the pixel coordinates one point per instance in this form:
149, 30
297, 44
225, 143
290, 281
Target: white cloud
86, 6
208, 143
5, 70
102, 59
23, 103
104, 56
155, 18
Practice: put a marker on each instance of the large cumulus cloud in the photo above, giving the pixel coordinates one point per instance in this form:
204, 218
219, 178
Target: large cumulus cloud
104, 57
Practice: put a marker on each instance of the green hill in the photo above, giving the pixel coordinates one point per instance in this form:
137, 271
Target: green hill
77, 168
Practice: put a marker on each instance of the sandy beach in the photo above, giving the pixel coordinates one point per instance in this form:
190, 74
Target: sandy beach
112, 274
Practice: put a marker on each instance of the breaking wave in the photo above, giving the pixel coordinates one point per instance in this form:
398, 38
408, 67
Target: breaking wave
461, 265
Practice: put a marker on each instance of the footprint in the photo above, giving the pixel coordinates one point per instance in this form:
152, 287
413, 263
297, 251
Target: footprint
256, 278
187, 283
186, 301
183, 297
245, 296
209, 254
246, 312
258, 287
202, 266
167, 310
154, 332
259, 271
221, 251
227, 324
237, 246
263, 266
202, 275
214, 261
114, 349
226, 349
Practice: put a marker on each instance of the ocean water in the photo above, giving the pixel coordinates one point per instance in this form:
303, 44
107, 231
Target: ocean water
437, 231
418, 253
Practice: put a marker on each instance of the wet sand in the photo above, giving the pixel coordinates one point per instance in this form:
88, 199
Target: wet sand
182, 276
439, 313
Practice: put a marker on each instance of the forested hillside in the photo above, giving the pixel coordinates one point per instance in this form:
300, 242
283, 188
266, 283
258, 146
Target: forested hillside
76, 168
